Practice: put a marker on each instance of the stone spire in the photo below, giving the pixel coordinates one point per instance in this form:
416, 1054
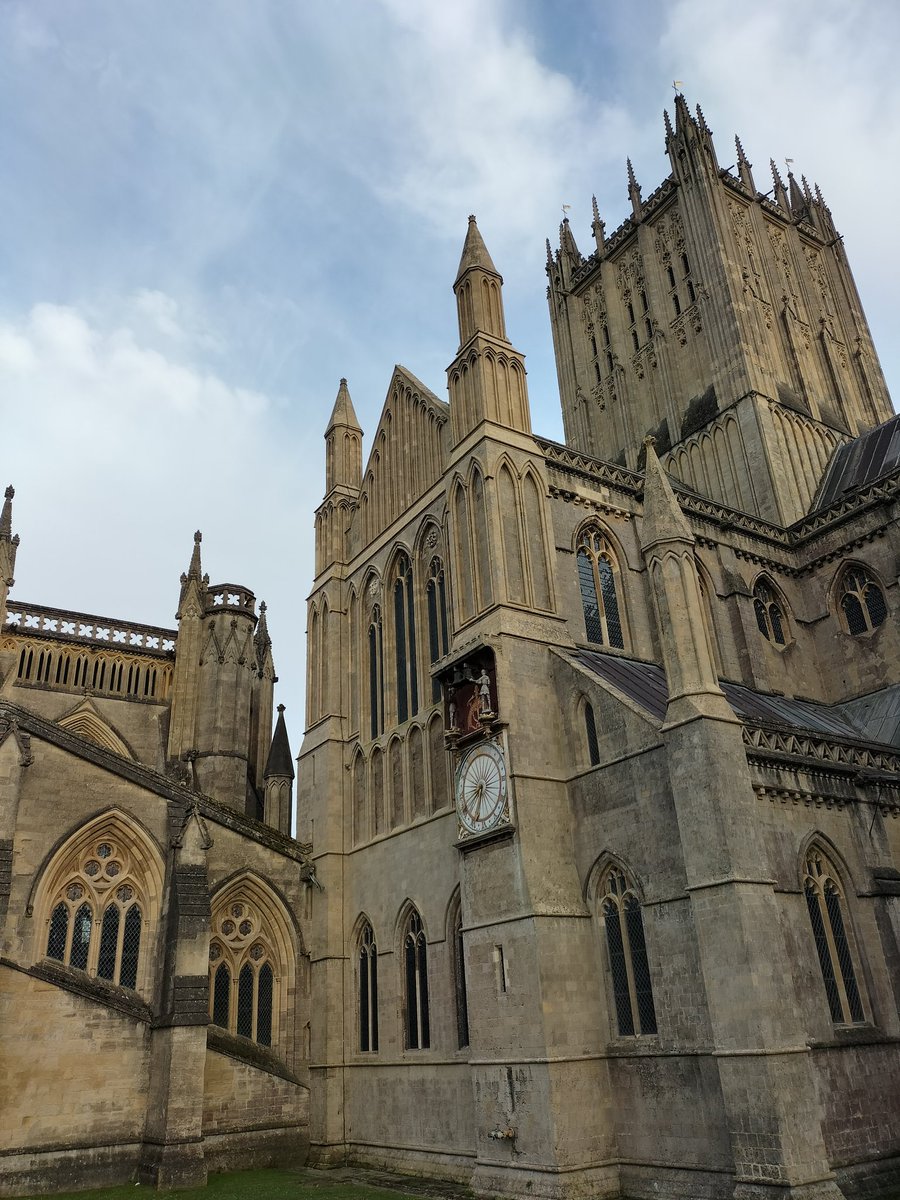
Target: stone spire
193, 581
343, 444
279, 778
634, 192
487, 377
667, 545
185, 677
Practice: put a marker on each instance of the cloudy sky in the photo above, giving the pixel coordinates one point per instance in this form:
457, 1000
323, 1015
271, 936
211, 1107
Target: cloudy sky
212, 211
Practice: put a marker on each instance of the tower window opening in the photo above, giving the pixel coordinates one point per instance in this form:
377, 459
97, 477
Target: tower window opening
597, 578
770, 618
862, 602
826, 906
627, 950
418, 1035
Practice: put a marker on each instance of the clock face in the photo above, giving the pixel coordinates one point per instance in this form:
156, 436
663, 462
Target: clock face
481, 789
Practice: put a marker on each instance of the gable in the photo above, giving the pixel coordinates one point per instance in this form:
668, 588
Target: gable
406, 459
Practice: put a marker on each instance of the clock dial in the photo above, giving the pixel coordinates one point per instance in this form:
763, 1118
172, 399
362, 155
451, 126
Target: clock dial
481, 789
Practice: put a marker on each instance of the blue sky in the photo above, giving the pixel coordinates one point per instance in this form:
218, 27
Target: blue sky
212, 211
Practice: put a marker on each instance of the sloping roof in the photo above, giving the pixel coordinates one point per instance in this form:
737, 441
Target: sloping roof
877, 715
873, 454
645, 684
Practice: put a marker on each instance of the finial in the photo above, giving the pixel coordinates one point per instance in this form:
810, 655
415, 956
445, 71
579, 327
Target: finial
194, 568
649, 441
10, 492
472, 218
6, 514
343, 381
198, 537
262, 606
281, 708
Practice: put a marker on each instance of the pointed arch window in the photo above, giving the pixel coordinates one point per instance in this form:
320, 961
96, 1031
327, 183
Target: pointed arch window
770, 617
244, 974
598, 580
415, 959
828, 917
590, 727
405, 640
862, 601
627, 950
368, 990
438, 631
376, 673
97, 915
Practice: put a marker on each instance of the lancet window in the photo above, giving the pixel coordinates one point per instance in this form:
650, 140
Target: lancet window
590, 727
862, 601
97, 916
828, 917
368, 989
627, 950
769, 615
244, 972
438, 631
376, 673
415, 959
405, 640
598, 579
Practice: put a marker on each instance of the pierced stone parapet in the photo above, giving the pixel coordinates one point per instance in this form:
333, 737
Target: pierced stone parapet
58, 625
230, 597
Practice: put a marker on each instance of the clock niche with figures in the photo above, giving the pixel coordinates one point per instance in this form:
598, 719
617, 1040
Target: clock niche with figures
482, 790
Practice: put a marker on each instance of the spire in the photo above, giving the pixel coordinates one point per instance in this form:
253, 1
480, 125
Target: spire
797, 200
634, 192
193, 580
474, 253
683, 118
744, 166
478, 288
567, 243
343, 413
280, 763
598, 227
663, 519
6, 514
343, 444
261, 639
194, 568
780, 192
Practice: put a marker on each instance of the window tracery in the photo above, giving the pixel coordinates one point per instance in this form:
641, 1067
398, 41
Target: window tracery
368, 990
376, 672
597, 579
438, 629
243, 972
770, 617
827, 914
415, 957
97, 914
627, 951
862, 601
405, 640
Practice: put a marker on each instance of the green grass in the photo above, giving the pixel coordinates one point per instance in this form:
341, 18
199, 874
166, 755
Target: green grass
247, 1185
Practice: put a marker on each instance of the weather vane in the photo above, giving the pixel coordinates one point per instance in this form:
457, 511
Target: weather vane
565, 210
678, 84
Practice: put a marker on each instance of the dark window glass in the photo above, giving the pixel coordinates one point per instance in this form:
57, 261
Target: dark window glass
400, 646
591, 728
131, 948
639, 966
853, 611
81, 937
818, 928
411, 629
592, 623
245, 1002
760, 609
59, 929
417, 1018
221, 996
845, 962
433, 634
264, 1006
109, 938
875, 605
610, 603
618, 969
777, 624
368, 991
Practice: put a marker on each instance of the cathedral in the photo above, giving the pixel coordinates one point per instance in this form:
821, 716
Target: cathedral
595, 888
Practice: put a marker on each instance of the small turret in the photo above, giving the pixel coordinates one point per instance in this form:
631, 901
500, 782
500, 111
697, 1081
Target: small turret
343, 444
279, 778
478, 290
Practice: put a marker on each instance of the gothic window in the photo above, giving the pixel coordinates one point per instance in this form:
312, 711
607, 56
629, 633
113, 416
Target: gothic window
459, 983
770, 617
405, 641
591, 731
827, 915
376, 673
244, 970
417, 1033
438, 632
368, 990
597, 578
862, 601
627, 950
97, 914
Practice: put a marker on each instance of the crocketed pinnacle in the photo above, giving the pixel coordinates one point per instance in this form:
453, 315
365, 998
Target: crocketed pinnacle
343, 413
474, 253
6, 514
194, 568
663, 519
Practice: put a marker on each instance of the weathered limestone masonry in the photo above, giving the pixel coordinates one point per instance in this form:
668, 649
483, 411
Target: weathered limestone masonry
153, 983
603, 799
597, 891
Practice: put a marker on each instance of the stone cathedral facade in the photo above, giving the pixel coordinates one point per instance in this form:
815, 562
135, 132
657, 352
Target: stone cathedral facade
596, 885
